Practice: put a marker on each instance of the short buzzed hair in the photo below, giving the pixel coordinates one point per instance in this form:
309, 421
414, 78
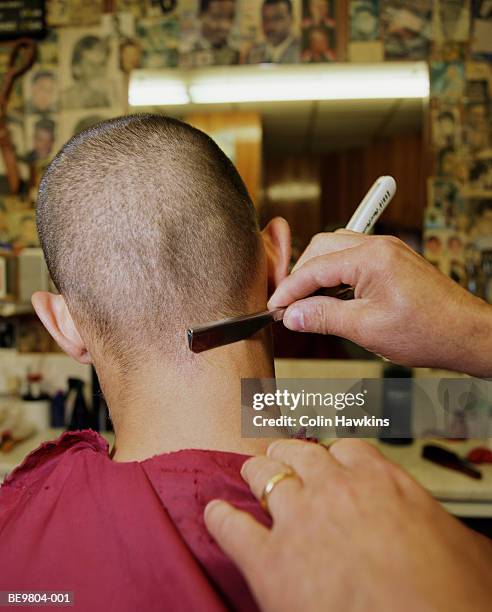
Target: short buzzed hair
147, 228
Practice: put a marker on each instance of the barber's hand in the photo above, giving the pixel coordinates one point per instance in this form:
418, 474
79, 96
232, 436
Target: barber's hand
405, 309
351, 532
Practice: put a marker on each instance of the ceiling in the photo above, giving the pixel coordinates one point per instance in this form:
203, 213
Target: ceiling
314, 127
324, 126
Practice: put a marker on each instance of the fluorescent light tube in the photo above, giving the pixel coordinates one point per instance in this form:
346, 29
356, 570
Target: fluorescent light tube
274, 83
155, 89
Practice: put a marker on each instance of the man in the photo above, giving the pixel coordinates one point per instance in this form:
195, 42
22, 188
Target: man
89, 66
130, 55
42, 142
319, 47
212, 47
43, 93
318, 14
281, 44
147, 228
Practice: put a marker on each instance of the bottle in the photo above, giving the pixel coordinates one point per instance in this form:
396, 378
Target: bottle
78, 415
58, 410
397, 405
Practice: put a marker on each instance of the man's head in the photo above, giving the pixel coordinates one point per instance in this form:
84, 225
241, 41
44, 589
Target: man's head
217, 18
147, 228
89, 58
43, 91
130, 55
277, 20
433, 245
319, 10
44, 138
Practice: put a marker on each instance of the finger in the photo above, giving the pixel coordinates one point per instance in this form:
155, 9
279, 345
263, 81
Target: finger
356, 454
310, 461
323, 244
326, 315
322, 271
239, 535
364, 458
258, 471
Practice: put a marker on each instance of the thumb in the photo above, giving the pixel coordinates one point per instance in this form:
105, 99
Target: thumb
325, 315
239, 535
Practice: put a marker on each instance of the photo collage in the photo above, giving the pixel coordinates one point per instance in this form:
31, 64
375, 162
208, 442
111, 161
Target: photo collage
458, 218
80, 75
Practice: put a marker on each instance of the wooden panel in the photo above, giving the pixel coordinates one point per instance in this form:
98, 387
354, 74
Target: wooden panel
292, 190
347, 175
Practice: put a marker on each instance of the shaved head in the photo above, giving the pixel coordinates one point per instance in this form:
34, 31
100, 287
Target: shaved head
147, 228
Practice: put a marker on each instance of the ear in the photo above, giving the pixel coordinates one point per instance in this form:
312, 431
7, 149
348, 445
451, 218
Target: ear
53, 312
277, 242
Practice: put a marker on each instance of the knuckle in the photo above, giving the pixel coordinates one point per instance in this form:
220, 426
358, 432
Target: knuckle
389, 244
392, 240
318, 317
358, 450
280, 448
318, 272
317, 238
262, 472
403, 479
352, 444
384, 249
312, 452
249, 468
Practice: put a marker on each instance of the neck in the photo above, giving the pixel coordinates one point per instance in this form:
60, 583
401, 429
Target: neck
167, 408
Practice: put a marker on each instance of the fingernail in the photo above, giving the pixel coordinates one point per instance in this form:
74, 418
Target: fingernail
243, 468
271, 447
210, 506
294, 319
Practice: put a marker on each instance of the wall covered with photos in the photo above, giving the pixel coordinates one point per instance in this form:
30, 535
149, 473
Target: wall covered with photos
458, 219
80, 77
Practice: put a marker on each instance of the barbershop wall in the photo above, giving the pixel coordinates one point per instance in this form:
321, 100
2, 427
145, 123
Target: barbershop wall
80, 76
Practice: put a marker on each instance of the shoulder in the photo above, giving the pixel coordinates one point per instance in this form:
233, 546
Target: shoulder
43, 461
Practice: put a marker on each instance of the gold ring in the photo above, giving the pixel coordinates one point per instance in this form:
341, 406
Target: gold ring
270, 485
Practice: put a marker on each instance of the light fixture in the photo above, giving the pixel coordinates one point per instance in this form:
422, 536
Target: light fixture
152, 88
278, 83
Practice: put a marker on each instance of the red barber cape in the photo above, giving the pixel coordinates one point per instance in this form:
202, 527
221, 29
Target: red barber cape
121, 536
